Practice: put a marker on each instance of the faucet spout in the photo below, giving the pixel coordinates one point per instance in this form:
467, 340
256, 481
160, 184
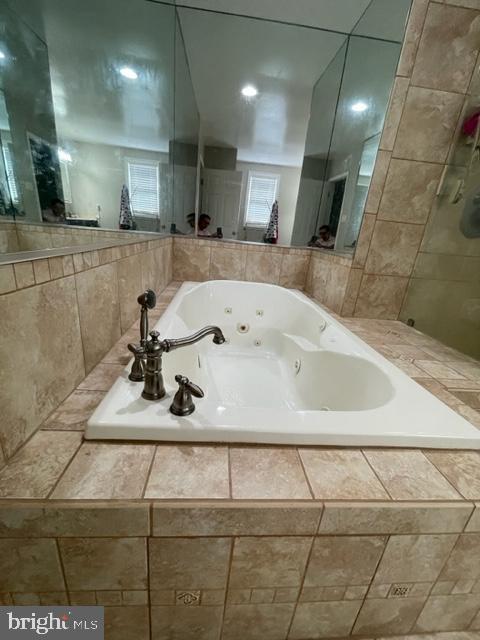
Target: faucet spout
176, 343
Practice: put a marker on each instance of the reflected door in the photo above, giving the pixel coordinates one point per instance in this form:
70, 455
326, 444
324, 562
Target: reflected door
221, 195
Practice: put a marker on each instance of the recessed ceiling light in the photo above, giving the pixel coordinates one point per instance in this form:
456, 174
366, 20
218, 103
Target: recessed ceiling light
128, 72
64, 155
2, 55
359, 106
249, 91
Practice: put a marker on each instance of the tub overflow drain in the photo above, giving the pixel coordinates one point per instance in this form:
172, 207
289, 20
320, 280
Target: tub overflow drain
243, 327
257, 343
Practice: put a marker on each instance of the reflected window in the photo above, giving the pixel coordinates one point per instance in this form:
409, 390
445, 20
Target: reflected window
67, 189
262, 189
11, 180
143, 184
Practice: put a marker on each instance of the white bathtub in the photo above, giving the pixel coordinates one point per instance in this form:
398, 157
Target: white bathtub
289, 373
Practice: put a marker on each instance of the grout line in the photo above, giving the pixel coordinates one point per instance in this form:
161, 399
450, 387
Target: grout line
377, 476
307, 479
300, 589
67, 466
149, 471
62, 568
227, 584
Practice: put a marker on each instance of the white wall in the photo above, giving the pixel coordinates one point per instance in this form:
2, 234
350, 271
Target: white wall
97, 174
287, 199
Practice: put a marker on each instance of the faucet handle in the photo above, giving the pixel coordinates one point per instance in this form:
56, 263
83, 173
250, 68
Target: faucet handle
193, 388
182, 404
137, 372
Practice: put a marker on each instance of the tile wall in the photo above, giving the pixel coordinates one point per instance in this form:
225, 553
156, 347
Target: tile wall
208, 571
23, 236
60, 316
439, 55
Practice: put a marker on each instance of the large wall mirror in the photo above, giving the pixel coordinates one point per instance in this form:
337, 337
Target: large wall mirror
141, 115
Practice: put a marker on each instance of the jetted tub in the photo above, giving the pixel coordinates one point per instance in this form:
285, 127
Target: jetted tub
289, 373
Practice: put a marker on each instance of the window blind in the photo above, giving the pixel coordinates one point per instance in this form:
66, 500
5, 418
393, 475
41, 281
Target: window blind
12, 183
261, 194
143, 186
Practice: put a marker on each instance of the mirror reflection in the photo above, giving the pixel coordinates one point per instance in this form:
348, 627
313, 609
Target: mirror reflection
143, 116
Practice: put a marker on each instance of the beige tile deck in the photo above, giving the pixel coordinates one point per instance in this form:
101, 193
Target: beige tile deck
101, 471
341, 475
33, 471
267, 473
408, 475
186, 471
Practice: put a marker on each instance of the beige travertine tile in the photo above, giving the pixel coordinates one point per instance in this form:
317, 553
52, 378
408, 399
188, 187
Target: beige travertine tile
72, 519
388, 616
263, 266
393, 248
186, 623
414, 558
324, 619
371, 517
445, 613
262, 596
102, 377
394, 113
268, 562
378, 181
127, 623
442, 588
129, 272
56, 267
7, 278
41, 271
286, 594
67, 264
450, 34
195, 563
364, 238
72, 415
47, 316
98, 305
342, 561
267, 473
438, 370
30, 565
341, 474
408, 475
34, 470
268, 622
104, 563
411, 40
464, 562
427, 125
185, 471
132, 598
228, 264
24, 274
223, 519
471, 370
351, 292
109, 597
462, 468
101, 471
474, 522
380, 296
190, 262
293, 273
409, 191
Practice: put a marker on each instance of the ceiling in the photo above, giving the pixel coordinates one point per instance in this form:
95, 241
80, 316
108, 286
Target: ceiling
339, 15
89, 41
283, 62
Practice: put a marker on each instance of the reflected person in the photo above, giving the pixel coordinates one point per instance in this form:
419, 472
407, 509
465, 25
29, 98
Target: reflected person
56, 212
325, 238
